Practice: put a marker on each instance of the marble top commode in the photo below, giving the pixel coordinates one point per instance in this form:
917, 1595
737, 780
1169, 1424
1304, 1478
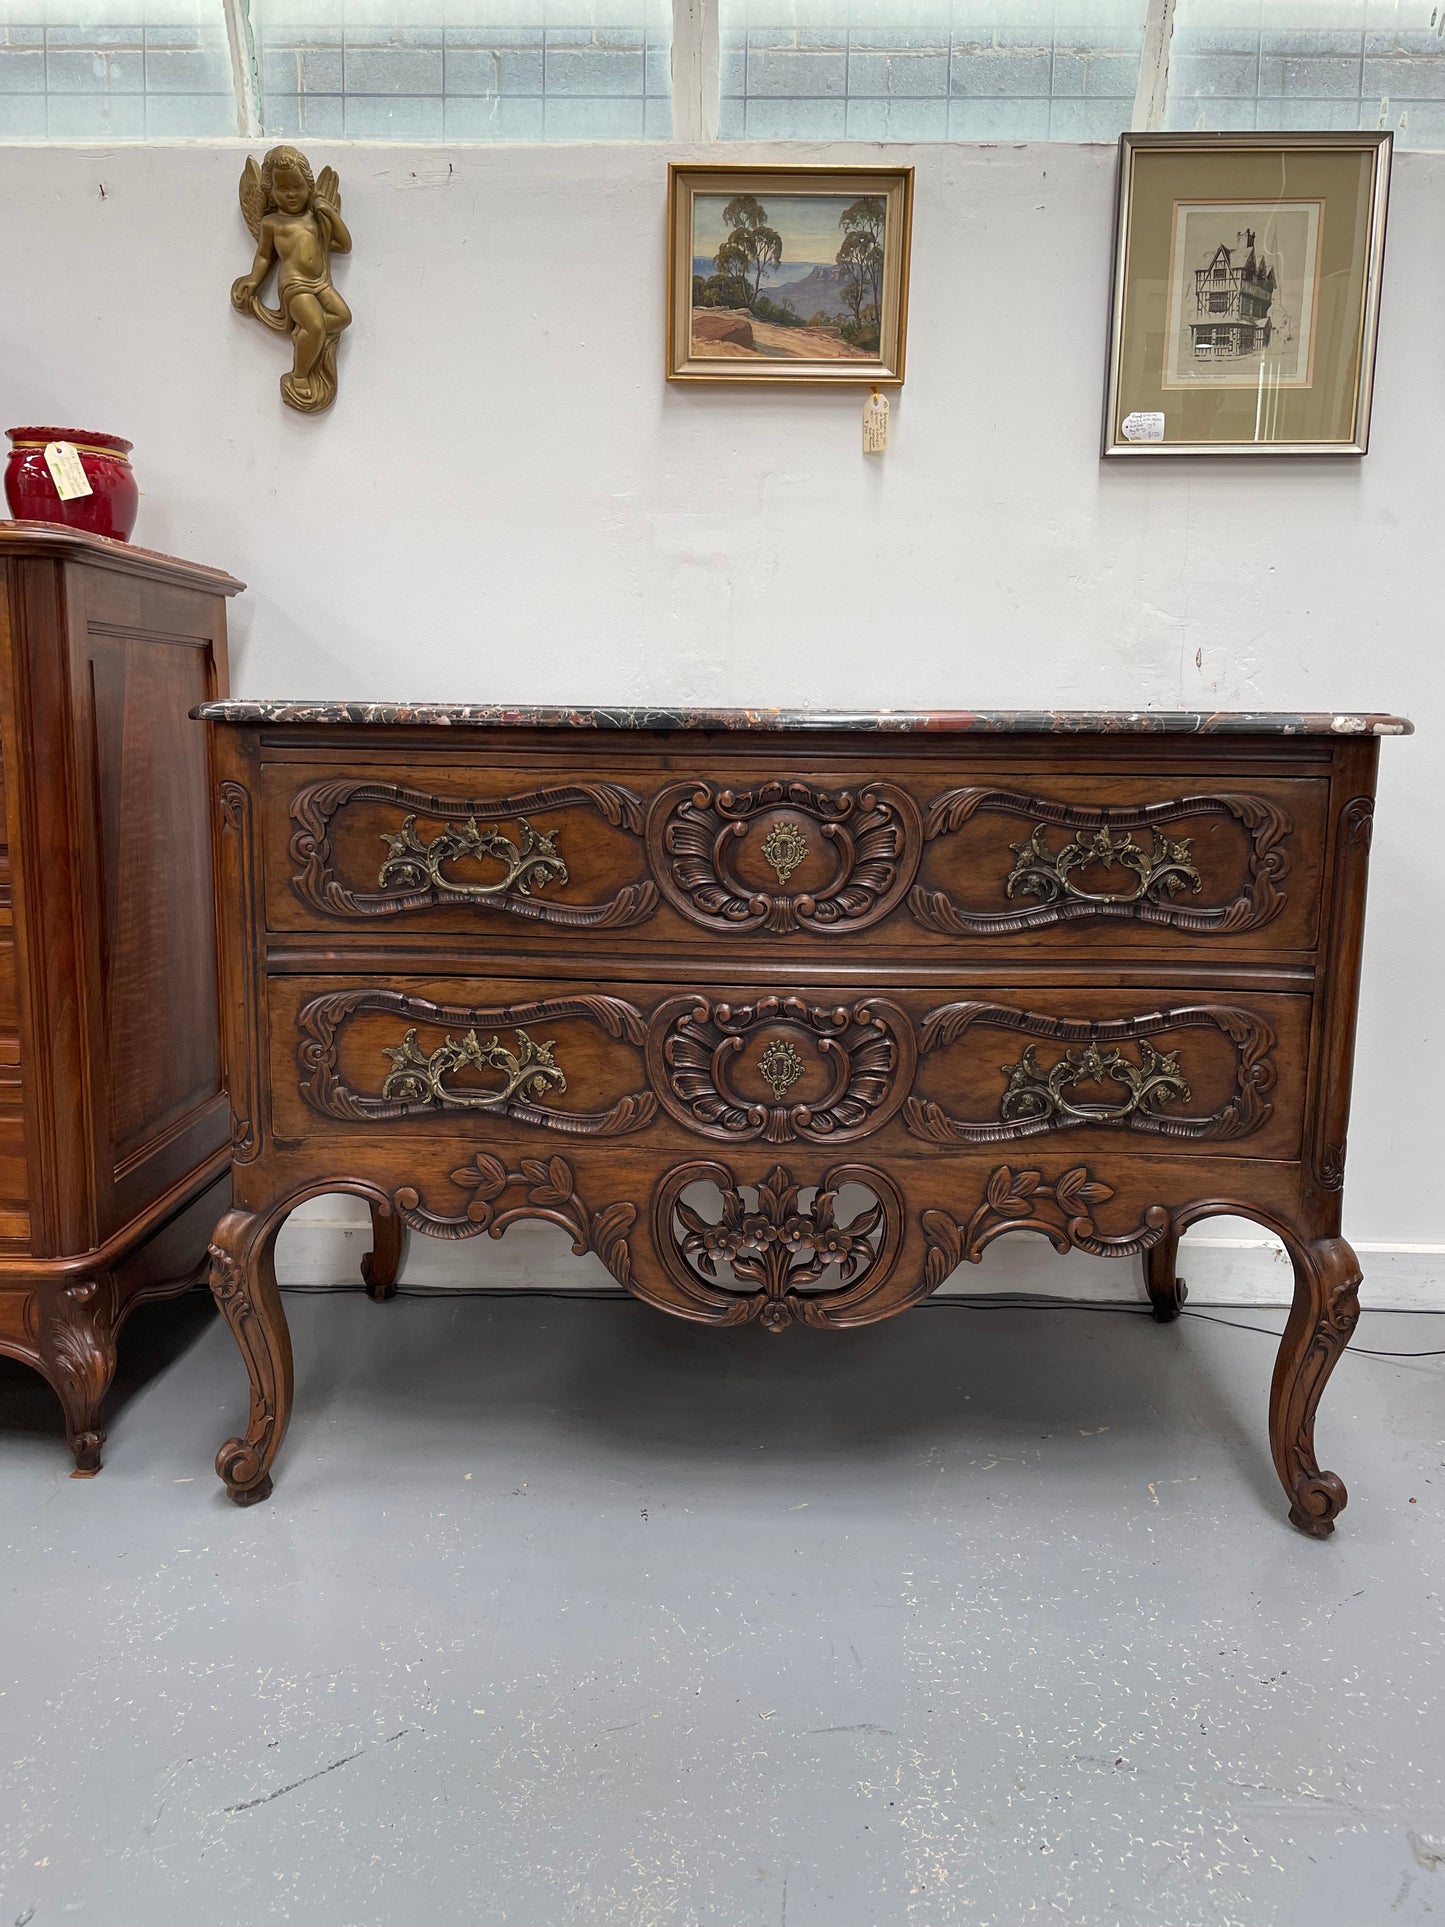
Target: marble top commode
942, 722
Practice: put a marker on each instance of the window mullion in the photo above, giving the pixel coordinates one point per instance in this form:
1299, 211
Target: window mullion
695, 79
1152, 95
245, 77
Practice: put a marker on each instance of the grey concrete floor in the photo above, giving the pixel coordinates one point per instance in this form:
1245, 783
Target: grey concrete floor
572, 1614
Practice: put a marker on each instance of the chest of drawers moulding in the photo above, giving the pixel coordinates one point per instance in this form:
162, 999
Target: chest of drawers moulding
784, 1016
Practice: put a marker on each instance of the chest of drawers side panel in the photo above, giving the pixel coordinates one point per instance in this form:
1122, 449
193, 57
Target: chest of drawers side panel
143, 653
1332, 1048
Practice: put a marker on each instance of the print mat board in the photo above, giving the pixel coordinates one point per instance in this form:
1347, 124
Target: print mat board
788, 274
1246, 293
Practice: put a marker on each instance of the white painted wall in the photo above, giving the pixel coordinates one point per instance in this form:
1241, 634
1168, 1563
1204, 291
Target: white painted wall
508, 501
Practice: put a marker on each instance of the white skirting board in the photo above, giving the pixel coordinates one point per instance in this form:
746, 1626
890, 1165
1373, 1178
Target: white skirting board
326, 1246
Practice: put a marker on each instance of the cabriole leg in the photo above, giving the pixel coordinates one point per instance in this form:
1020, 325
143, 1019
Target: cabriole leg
1167, 1290
243, 1280
380, 1266
76, 1331
1326, 1307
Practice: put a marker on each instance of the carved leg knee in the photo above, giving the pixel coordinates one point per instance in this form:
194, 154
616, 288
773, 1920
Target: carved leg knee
76, 1331
1167, 1290
1326, 1307
243, 1279
380, 1266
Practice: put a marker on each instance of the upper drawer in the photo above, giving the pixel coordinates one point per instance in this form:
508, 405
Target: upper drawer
561, 854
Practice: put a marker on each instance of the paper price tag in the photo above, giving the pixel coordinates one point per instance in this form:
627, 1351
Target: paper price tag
875, 424
66, 472
1144, 425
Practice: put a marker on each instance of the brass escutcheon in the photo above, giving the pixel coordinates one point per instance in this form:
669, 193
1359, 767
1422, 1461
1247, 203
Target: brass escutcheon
785, 847
781, 1067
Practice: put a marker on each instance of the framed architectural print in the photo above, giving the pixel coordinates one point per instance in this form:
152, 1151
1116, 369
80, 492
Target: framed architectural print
1246, 291
792, 274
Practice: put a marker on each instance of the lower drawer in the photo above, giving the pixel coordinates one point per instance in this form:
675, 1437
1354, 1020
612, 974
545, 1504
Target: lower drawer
475, 1059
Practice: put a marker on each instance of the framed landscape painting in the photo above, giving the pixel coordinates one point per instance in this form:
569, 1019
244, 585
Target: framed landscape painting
1246, 293
792, 274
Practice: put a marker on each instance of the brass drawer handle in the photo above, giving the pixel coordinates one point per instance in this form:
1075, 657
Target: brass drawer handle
1160, 873
527, 1076
528, 1073
1036, 1093
531, 863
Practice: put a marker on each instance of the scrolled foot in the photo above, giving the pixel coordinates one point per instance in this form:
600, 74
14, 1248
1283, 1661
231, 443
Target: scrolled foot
239, 1464
1325, 1310
1317, 1504
250, 1494
87, 1447
76, 1329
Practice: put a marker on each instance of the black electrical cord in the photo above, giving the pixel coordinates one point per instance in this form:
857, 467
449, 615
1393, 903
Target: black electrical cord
1000, 1302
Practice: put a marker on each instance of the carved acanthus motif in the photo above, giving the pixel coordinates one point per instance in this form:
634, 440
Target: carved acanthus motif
866, 1053
1039, 1098
697, 833
75, 1338
549, 1192
1103, 837
1060, 1209
1326, 1310
777, 1245
422, 1082
418, 1079
421, 873
240, 1460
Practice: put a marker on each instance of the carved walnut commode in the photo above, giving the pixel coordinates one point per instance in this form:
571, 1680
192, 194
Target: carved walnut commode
785, 1016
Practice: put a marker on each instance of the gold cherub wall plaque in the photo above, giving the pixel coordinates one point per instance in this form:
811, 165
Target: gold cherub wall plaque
296, 219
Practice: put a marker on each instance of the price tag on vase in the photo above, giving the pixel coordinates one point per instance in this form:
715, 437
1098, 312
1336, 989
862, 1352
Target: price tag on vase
875, 424
66, 471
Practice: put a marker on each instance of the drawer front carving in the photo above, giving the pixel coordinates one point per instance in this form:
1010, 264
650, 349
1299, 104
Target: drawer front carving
1004, 864
1121, 862
476, 1059
781, 1068
510, 859
473, 852
784, 857
766, 1069
1097, 1073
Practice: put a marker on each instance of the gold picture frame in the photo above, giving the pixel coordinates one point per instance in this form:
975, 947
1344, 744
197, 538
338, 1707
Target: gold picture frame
1246, 293
788, 274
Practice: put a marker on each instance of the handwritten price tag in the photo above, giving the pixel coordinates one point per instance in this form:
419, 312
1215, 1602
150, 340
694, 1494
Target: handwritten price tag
66, 472
875, 424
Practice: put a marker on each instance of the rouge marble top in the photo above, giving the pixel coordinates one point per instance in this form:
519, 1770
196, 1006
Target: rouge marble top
943, 722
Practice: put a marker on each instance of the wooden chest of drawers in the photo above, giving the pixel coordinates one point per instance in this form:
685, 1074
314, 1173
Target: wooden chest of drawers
114, 1125
786, 1016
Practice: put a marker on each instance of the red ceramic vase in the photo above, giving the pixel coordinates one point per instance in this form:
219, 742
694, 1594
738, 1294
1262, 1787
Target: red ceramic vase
111, 507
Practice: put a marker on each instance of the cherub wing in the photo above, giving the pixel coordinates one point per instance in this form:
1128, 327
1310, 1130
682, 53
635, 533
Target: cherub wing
328, 186
253, 198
